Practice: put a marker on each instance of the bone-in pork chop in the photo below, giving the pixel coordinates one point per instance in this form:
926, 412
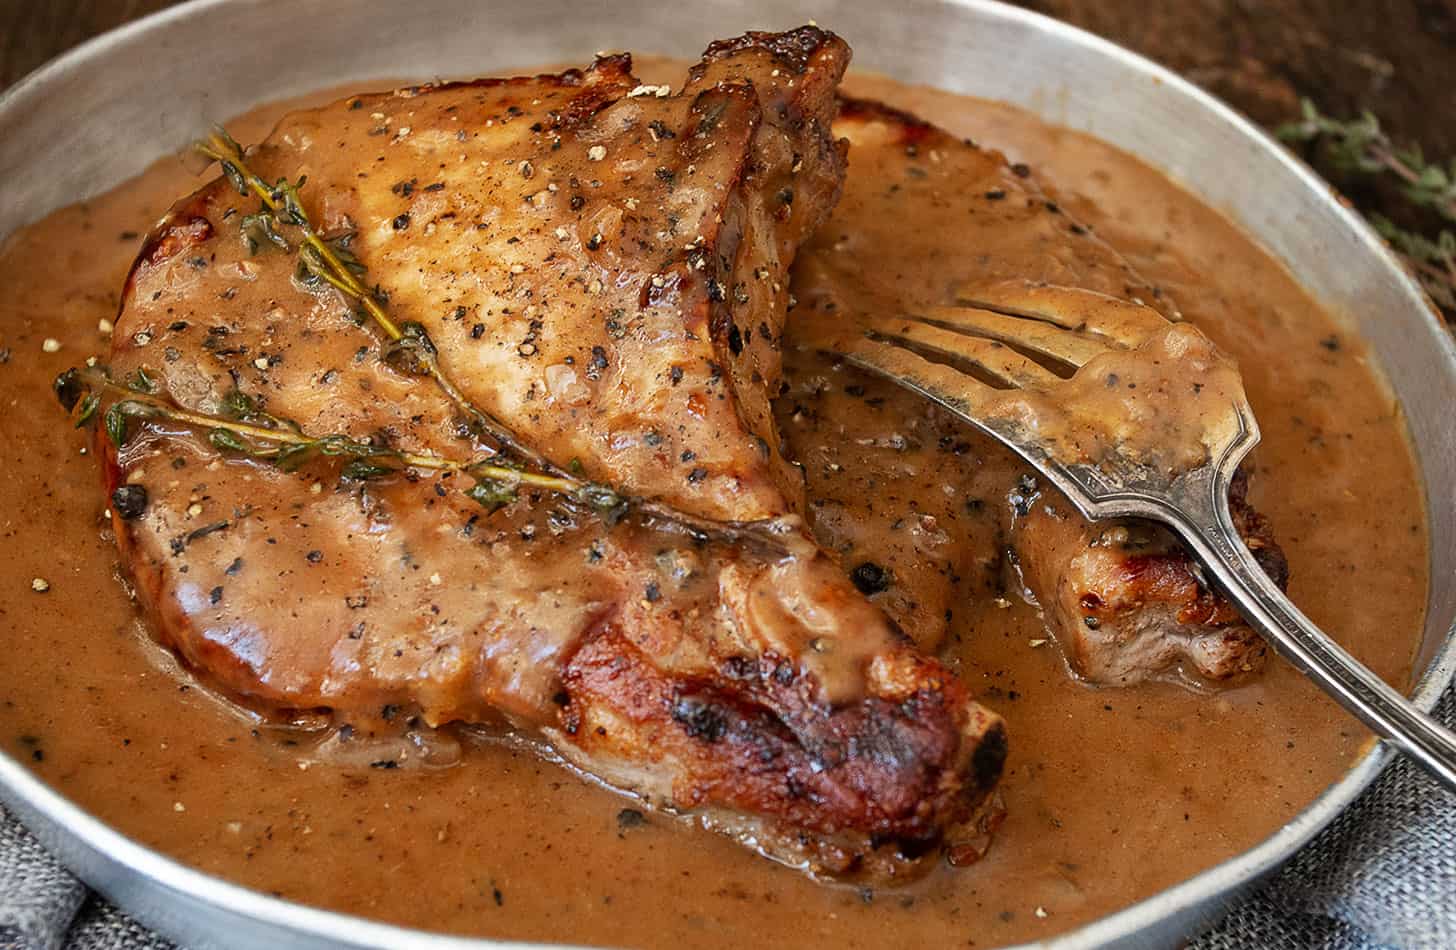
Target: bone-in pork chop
601, 267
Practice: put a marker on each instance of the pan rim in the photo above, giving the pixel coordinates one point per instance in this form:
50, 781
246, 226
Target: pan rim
64, 826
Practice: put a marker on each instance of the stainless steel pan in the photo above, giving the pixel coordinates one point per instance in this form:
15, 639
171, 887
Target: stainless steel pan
99, 114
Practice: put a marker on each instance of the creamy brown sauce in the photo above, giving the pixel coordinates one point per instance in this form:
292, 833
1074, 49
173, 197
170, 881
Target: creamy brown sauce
1111, 794
1167, 405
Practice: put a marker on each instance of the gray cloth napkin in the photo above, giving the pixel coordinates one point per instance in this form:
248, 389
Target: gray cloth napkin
1382, 875
42, 907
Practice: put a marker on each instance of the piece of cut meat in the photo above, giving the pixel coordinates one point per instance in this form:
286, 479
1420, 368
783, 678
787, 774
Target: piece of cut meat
1127, 602
928, 220
601, 266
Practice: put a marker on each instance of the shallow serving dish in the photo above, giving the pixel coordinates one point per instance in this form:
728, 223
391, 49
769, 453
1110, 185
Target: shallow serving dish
101, 113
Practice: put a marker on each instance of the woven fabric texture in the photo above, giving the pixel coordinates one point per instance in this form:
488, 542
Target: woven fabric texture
1383, 874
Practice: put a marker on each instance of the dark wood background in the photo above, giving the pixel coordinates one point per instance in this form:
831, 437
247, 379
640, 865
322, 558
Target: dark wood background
1396, 58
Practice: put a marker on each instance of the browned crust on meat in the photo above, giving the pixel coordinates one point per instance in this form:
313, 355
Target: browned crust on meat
1127, 602
872, 774
185, 225
1256, 531
1173, 577
795, 50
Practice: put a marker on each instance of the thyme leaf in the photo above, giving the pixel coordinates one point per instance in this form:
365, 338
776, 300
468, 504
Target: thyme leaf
141, 382
1360, 147
238, 406
492, 493
413, 353
88, 409
284, 445
226, 440
261, 229
118, 418
1434, 261
363, 470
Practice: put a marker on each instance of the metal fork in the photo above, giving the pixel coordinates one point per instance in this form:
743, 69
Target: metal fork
1006, 336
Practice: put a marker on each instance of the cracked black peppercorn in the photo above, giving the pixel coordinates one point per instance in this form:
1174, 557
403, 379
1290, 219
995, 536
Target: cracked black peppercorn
129, 501
870, 578
700, 718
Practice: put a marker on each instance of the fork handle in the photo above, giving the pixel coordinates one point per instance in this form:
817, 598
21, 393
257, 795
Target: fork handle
1207, 527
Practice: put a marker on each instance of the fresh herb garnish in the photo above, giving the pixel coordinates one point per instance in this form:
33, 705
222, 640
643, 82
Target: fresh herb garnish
331, 262
244, 429
1359, 147
284, 445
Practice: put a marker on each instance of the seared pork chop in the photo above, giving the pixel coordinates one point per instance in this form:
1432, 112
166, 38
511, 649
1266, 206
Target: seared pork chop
600, 266
1127, 602
1124, 601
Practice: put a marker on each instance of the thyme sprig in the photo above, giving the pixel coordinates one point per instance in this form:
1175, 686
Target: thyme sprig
245, 432
1434, 261
411, 350
1361, 147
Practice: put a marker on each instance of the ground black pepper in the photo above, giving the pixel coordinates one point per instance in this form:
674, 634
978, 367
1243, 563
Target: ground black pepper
129, 501
870, 578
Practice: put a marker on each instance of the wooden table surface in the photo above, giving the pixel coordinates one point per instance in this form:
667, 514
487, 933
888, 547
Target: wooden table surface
33, 31
1396, 58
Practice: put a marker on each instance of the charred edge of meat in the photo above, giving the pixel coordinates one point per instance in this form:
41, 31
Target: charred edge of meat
1175, 577
895, 771
182, 228
795, 49
1168, 578
611, 73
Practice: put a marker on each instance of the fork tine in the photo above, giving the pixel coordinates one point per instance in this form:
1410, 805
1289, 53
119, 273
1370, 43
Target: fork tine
991, 357
949, 387
1041, 338
1071, 308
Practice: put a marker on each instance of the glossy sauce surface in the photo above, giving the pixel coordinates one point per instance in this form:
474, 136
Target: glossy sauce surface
1111, 794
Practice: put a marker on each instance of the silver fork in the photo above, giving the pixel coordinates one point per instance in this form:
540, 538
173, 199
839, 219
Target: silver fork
1005, 337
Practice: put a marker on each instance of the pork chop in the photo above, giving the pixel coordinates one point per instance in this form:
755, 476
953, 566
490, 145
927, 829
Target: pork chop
600, 267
